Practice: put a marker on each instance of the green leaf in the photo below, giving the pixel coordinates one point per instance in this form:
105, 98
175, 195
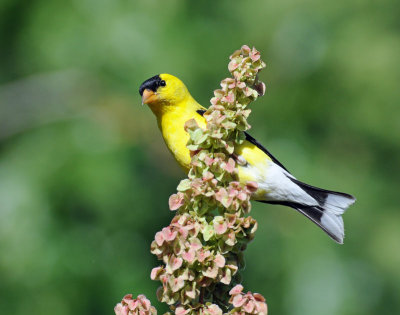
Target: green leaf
208, 232
184, 185
196, 135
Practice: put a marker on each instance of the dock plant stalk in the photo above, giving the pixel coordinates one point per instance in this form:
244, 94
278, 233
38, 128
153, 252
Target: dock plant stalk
202, 248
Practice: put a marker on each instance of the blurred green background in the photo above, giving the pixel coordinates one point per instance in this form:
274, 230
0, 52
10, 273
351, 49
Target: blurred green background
85, 176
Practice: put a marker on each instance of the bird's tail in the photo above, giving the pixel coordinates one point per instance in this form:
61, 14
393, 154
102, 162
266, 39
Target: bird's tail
328, 213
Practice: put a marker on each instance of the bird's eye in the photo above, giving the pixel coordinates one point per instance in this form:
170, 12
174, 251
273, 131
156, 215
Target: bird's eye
162, 83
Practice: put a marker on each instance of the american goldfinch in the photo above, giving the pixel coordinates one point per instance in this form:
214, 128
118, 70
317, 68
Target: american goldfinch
172, 104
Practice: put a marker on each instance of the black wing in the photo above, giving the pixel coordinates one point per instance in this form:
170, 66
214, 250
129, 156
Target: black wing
259, 145
255, 142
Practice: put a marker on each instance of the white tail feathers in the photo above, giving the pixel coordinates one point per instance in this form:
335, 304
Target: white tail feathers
323, 207
333, 225
325, 210
338, 203
334, 206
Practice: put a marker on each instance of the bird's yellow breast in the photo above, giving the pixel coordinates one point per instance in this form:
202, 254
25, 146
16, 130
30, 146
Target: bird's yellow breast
172, 127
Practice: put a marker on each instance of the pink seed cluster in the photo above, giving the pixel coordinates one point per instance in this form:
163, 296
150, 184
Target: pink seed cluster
247, 303
140, 306
202, 248
197, 255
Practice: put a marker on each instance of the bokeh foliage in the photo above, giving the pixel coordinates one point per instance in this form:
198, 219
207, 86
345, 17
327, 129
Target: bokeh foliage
85, 176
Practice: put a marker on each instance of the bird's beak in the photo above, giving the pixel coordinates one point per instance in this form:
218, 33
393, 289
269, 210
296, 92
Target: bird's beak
148, 97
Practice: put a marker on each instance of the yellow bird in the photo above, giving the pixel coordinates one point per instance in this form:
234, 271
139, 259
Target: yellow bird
172, 104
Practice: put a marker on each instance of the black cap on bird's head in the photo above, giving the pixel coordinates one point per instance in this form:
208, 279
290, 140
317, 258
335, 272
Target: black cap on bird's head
149, 88
151, 84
